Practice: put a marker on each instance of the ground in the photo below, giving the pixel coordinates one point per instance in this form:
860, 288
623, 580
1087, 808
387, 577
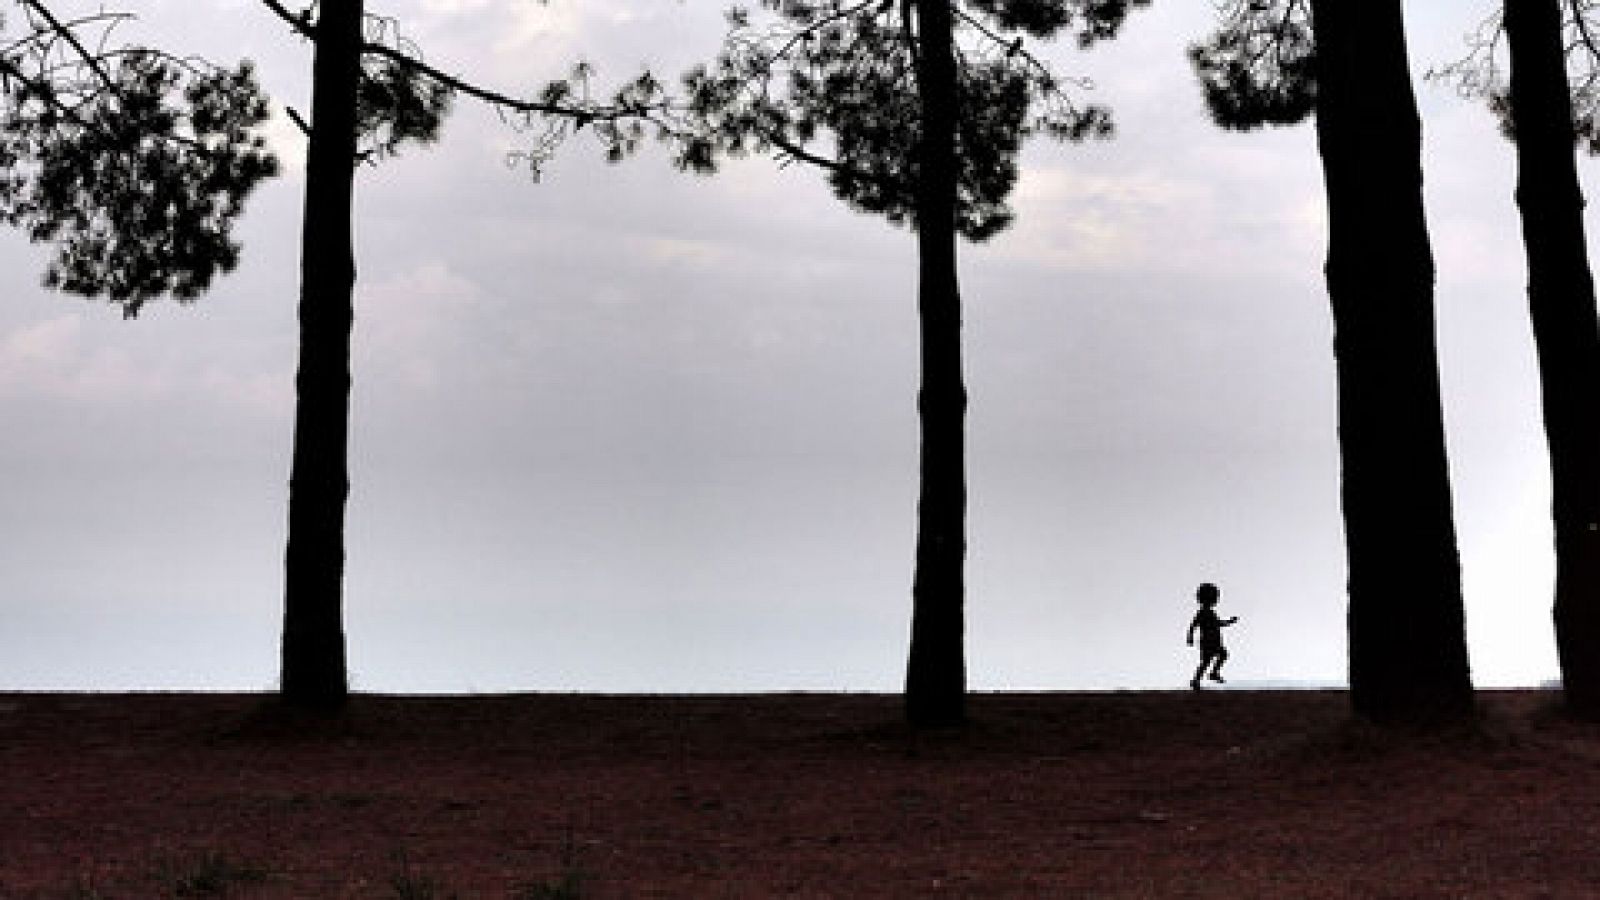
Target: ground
1219, 794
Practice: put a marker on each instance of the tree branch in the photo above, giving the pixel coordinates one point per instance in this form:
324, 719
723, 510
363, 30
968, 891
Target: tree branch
580, 114
800, 153
71, 37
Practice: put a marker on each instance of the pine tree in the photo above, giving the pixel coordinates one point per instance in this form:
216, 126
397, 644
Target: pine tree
927, 103
369, 98
1278, 62
1544, 113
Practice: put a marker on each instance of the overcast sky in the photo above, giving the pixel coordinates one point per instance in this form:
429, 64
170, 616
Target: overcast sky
630, 430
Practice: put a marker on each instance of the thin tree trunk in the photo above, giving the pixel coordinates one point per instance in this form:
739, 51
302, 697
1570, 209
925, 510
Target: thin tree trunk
313, 661
936, 673
1408, 658
1561, 302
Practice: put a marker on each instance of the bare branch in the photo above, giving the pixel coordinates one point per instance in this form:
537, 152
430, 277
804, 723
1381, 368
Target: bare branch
89, 59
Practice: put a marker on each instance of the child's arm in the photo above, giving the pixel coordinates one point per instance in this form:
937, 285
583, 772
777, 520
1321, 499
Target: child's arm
1230, 621
1195, 623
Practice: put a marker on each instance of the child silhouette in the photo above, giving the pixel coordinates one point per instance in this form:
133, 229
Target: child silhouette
1212, 653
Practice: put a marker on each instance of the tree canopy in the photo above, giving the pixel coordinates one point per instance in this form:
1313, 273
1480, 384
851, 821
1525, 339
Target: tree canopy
847, 69
1259, 67
1484, 72
133, 162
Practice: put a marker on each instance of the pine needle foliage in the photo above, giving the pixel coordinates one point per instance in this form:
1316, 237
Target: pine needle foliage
805, 73
1484, 73
1258, 67
132, 163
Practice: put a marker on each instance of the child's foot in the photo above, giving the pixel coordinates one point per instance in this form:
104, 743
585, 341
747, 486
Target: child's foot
1217, 677
1194, 684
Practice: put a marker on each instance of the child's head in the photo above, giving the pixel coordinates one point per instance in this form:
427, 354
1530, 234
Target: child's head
1207, 594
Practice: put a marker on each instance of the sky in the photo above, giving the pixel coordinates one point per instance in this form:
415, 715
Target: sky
622, 429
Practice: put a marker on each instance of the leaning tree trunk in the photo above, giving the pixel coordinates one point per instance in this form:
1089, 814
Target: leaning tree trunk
313, 633
1408, 657
936, 681
1561, 303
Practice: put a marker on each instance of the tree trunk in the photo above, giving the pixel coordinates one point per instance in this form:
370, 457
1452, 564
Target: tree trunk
313, 633
1408, 657
936, 680
1561, 303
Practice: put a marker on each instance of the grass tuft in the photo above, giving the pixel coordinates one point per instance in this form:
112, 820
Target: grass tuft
408, 884
566, 885
82, 888
211, 873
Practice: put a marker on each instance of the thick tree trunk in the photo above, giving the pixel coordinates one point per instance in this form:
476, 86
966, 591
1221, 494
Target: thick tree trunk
1408, 657
313, 632
1561, 302
936, 681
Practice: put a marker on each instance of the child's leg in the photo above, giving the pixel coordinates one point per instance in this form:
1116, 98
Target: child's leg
1216, 667
1200, 670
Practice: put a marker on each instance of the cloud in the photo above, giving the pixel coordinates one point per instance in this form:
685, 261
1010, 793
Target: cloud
452, 7
515, 33
1084, 221
1247, 205
541, 28
409, 323
687, 253
41, 345
51, 357
264, 395
71, 357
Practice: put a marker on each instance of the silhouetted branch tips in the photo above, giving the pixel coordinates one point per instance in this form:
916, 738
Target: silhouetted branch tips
1259, 67
846, 70
298, 120
1483, 73
405, 99
132, 162
1092, 20
395, 104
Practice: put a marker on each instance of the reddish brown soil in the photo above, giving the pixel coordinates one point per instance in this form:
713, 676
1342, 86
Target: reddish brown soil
1053, 795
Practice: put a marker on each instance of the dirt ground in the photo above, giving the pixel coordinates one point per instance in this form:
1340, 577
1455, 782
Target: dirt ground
1224, 794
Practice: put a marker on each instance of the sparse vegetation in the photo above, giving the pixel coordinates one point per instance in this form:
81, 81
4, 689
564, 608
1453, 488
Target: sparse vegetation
567, 884
545, 797
83, 888
409, 884
210, 873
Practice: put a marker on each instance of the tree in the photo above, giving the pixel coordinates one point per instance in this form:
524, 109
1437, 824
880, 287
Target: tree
1561, 302
1536, 110
132, 162
369, 97
927, 103
1277, 62
313, 661
935, 692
